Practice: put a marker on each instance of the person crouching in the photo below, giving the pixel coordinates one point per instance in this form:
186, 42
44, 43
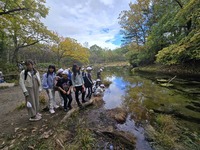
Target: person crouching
65, 87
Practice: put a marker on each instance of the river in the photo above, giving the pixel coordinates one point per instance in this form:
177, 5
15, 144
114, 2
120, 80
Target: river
141, 94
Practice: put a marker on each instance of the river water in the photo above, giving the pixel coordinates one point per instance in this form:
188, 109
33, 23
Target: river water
142, 93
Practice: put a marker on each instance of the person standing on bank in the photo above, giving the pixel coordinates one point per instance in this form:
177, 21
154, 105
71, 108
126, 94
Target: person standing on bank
48, 85
31, 86
65, 87
56, 79
88, 82
78, 84
99, 74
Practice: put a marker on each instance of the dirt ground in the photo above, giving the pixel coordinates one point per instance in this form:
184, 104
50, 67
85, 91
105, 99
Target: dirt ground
17, 130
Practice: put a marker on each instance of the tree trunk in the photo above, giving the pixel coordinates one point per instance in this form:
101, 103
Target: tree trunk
15, 55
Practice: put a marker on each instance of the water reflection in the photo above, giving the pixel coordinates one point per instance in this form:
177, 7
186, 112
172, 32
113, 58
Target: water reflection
113, 96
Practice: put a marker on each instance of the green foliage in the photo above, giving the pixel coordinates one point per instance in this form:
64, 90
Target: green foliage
171, 31
100, 55
8, 68
186, 50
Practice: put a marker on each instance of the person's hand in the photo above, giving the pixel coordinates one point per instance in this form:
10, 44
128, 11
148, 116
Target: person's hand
64, 92
68, 92
83, 88
74, 89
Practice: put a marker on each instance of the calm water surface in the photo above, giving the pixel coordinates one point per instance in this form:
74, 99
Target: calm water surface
140, 93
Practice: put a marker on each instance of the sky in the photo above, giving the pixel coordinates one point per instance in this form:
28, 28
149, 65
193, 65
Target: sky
92, 21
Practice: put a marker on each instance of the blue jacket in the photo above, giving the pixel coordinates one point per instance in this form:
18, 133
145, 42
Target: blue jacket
48, 83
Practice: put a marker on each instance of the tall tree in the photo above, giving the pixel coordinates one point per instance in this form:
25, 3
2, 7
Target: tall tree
25, 28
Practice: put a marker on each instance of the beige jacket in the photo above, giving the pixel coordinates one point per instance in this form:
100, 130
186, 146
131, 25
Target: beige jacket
28, 82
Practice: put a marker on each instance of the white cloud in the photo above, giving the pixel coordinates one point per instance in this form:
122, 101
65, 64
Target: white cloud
92, 21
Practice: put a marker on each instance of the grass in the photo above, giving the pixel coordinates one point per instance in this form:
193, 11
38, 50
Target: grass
171, 135
21, 106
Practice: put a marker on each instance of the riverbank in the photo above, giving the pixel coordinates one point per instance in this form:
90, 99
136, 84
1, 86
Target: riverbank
187, 70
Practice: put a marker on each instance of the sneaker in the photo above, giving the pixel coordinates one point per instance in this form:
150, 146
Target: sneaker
51, 111
62, 104
39, 114
66, 110
56, 106
36, 118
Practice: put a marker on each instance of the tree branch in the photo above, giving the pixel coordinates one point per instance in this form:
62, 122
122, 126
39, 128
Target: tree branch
179, 3
22, 46
13, 10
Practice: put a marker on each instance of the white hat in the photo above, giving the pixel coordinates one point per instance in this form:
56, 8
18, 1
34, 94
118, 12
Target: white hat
98, 80
82, 69
66, 71
101, 70
60, 70
89, 68
102, 85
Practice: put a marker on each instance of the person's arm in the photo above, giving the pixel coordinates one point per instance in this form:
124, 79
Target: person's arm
73, 84
44, 81
70, 88
22, 85
58, 84
39, 80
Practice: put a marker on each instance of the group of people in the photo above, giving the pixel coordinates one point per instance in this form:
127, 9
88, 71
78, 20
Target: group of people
63, 81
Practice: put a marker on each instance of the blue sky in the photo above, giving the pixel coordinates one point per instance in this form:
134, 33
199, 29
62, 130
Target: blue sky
92, 21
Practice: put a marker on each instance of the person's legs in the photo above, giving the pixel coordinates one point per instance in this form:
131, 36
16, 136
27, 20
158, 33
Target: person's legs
70, 101
31, 99
90, 92
51, 105
54, 100
61, 99
65, 101
83, 96
76, 96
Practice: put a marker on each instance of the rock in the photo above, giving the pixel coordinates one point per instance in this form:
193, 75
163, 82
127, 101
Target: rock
118, 114
124, 138
98, 101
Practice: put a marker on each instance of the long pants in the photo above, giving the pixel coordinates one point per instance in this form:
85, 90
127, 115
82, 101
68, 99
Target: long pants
79, 89
61, 98
51, 95
89, 94
33, 98
67, 97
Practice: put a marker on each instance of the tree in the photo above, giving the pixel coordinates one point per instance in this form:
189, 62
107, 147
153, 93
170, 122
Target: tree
70, 48
134, 22
25, 28
7, 7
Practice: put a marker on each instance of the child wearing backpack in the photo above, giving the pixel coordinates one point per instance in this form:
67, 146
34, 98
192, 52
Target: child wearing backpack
31, 86
48, 85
